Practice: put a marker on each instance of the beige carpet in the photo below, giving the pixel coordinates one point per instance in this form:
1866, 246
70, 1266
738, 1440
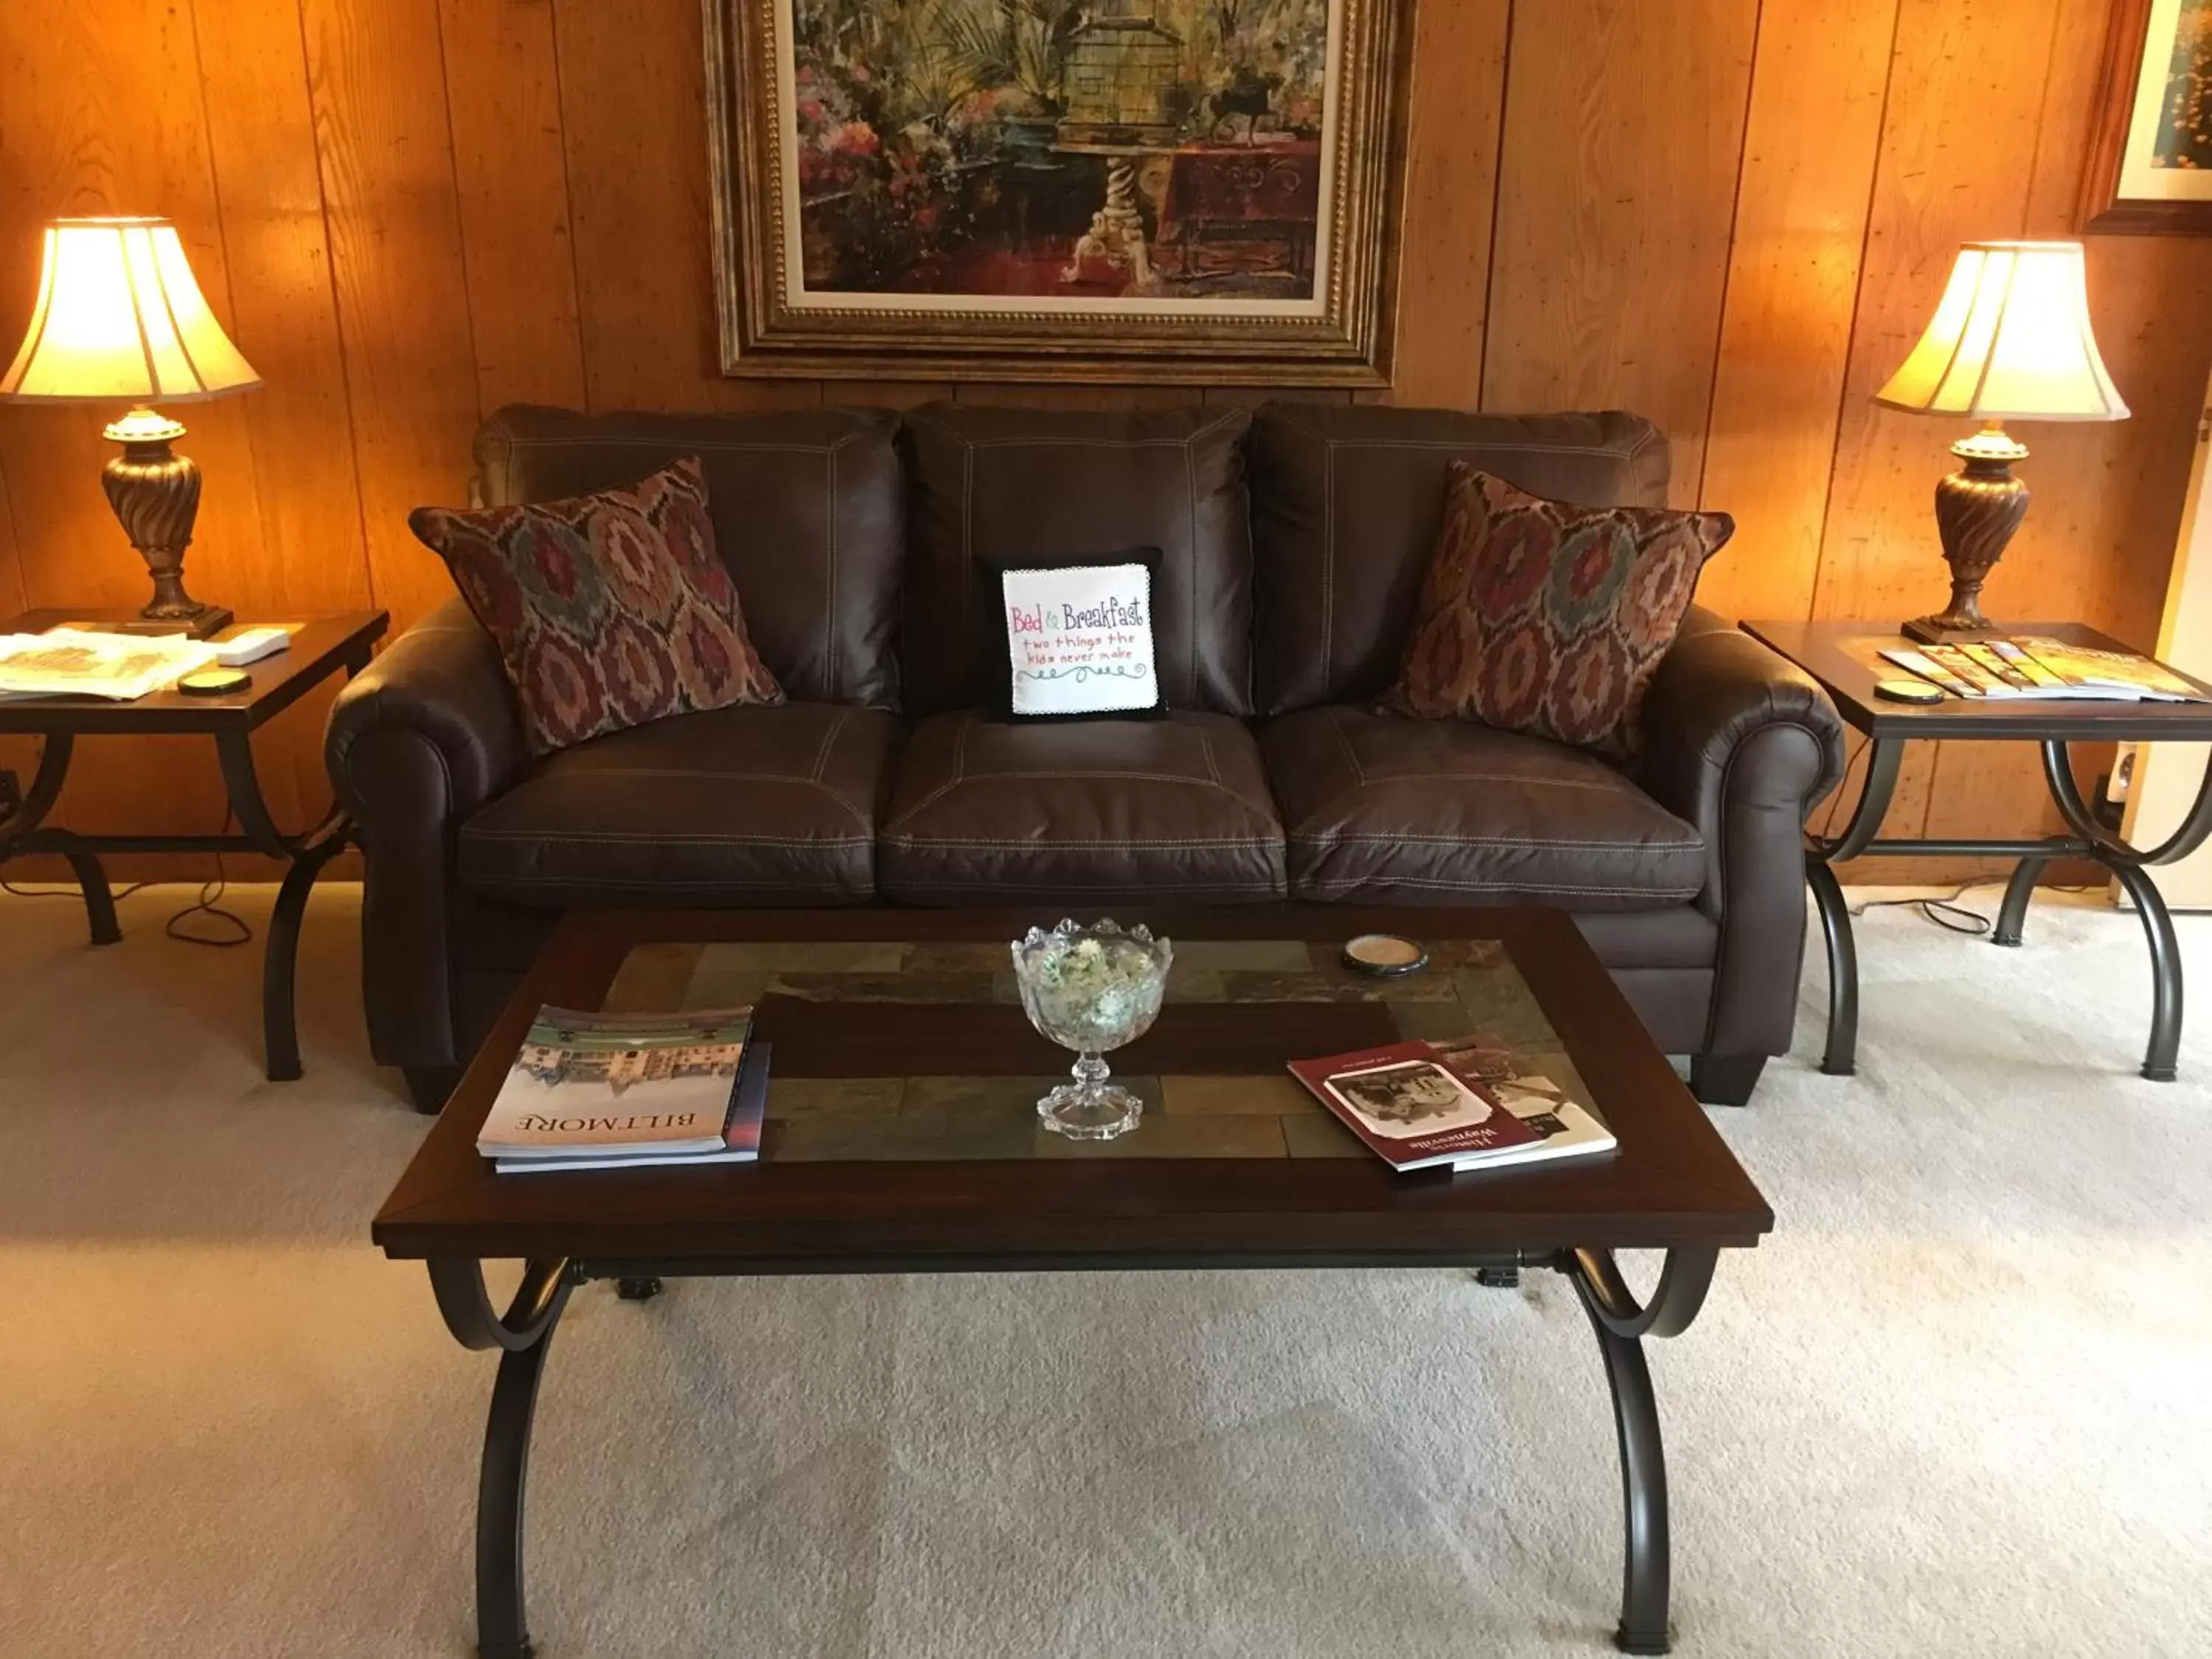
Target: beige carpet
1958, 1404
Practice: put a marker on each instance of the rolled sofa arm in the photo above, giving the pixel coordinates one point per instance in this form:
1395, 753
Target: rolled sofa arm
1743, 744
425, 735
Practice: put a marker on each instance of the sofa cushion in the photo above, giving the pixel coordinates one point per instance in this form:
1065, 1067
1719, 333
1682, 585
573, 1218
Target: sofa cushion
609, 609
1381, 811
1109, 812
998, 482
741, 807
809, 513
1348, 500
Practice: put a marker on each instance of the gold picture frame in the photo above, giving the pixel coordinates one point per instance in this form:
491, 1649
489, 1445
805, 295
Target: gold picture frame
1244, 235
2149, 167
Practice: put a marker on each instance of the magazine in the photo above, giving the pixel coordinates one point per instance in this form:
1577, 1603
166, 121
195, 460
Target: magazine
68, 662
1410, 1111
740, 1142
619, 1083
2038, 666
1563, 1127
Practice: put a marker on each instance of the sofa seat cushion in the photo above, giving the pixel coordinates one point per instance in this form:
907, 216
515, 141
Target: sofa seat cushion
739, 806
1379, 810
1091, 811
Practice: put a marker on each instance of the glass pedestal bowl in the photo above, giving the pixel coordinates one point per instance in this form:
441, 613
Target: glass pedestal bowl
1091, 989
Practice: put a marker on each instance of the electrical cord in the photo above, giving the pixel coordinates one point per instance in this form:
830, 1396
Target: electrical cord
233, 929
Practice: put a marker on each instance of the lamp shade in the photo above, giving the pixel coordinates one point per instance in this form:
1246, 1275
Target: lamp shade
2010, 341
120, 318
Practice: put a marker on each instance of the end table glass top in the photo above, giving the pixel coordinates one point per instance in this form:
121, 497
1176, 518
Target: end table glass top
844, 1017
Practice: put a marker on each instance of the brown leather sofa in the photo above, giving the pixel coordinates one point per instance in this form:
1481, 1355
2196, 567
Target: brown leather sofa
1293, 539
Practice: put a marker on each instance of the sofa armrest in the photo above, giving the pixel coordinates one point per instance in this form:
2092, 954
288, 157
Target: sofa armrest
442, 682
1743, 744
417, 742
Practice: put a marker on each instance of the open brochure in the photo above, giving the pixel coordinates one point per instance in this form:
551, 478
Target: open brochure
68, 662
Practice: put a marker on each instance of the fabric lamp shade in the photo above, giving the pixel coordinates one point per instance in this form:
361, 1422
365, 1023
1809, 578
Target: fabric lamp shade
120, 319
2010, 341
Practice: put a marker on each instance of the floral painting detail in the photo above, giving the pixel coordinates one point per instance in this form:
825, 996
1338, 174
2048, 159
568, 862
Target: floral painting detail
609, 609
1546, 619
1068, 149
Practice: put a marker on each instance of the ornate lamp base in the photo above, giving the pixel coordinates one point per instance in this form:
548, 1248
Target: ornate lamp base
1977, 509
155, 494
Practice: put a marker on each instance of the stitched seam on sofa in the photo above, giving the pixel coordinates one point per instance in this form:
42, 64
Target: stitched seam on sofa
1132, 884
780, 884
721, 447
1614, 450
652, 838
1190, 556
1053, 440
959, 774
1344, 742
1451, 884
1328, 561
1533, 842
1205, 753
829, 614
822, 755
851, 811
1191, 843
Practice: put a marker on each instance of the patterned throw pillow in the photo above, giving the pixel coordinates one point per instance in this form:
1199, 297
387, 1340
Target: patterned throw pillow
1550, 619
610, 610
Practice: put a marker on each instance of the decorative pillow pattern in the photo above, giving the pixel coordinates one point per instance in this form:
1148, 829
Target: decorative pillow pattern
1550, 619
1074, 637
610, 610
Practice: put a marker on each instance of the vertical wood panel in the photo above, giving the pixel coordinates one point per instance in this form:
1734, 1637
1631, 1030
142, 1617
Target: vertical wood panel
377, 87
503, 97
1451, 182
269, 194
633, 112
1624, 124
1800, 221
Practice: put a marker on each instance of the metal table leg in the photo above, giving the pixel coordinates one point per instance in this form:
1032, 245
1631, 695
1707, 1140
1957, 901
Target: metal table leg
1620, 1324
1885, 755
307, 855
2131, 866
522, 1334
84, 863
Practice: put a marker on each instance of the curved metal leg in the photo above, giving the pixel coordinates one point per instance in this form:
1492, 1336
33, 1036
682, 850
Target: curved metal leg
502, 1631
522, 1334
280, 1027
99, 902
1647, 1566
2160, 1060
1841, 1059
2013, 913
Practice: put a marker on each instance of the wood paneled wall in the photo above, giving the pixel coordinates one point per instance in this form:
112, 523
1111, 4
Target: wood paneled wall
1733, 215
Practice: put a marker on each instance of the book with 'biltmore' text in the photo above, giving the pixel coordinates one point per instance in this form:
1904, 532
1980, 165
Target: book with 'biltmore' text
614, 1083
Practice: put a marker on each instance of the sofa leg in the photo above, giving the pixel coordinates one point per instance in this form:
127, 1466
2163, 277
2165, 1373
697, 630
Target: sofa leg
430, 1085
1725, 1079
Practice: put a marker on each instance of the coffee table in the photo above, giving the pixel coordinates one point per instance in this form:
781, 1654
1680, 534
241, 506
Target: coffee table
902, 1138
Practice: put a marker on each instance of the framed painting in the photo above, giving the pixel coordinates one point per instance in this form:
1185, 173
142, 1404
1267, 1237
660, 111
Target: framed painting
2150, 154
1194, 190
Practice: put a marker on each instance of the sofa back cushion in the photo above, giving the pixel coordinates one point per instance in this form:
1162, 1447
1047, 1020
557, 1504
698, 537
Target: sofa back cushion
808, 513
991, 483
1349, 501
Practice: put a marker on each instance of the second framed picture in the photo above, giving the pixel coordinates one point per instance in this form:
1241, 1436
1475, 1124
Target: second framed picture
1171, 190
2150, 156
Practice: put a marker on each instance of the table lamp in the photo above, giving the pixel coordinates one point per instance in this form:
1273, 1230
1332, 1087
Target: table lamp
2010, 341
120, 319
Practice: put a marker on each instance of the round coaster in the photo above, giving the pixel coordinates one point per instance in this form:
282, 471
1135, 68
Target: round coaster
1918, 692
1384, 954
214, 683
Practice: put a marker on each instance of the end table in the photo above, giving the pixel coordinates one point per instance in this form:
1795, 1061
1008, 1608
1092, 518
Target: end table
1843, 657
320, 646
